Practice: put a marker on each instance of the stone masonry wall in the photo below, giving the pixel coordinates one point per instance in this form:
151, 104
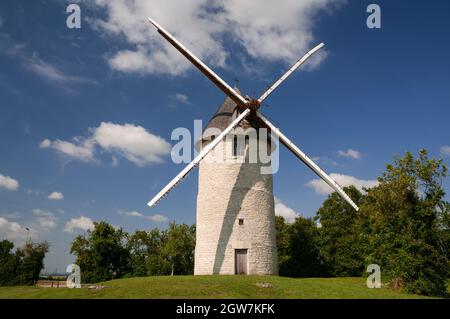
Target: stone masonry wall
228, 192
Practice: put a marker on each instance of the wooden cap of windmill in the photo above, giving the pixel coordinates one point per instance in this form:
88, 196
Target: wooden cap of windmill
224, 116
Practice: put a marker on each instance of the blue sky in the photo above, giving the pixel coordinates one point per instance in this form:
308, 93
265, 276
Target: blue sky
70, 98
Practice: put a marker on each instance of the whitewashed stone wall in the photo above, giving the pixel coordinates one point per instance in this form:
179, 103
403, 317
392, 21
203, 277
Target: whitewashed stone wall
227, 192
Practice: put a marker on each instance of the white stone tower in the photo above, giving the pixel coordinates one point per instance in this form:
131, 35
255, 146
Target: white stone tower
235, 208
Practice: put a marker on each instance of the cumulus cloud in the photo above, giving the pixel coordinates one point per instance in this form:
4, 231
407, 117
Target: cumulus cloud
81, 223
350, 154
8, 183
445, 150
343, 180
278, 30
56, 196
45, 220
79, 149
131, 142
282, 210
11, 230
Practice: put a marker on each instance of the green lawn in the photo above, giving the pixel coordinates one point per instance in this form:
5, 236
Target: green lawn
214, 287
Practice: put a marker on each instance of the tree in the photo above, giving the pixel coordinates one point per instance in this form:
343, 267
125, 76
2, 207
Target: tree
301, 256
32, 262
138, 247
340, 239
157, 262
179, 248
9, 263
101, 254
146, 253
23, 266
282, 239
405, 224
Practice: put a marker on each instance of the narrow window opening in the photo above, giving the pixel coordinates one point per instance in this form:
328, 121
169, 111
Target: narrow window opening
239, 148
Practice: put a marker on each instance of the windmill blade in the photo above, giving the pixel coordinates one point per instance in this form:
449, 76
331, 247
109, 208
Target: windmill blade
228, 90
305, 159
290, 71
199, 157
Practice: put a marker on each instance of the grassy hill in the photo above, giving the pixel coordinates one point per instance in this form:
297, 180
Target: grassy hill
215, 287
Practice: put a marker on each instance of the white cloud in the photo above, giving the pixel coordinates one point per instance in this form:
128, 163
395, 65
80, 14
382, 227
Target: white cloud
179, 98
11, 230
157, 218
274, 31
282, 210
350, 154
82, 150
132, 214
130, 141
51, 72
82, 223
42, 213
343, 180
46, 220
9, 183
56, 196
445, 150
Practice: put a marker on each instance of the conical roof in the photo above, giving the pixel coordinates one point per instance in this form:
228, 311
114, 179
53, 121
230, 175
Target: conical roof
224, 116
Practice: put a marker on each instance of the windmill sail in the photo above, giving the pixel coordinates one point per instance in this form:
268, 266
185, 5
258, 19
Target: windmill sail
228, 90
290, 71
199, 157
305, 159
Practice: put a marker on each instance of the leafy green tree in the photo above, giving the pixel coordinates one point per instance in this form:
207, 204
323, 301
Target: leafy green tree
9, 263
405, 224
138, 247
32, 262
301, 255
157, 263
23, 266
147, 255
179, 248
282, 239
340, 239
102, 253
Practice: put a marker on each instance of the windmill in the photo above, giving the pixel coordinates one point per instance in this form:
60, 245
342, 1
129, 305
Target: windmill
235, 203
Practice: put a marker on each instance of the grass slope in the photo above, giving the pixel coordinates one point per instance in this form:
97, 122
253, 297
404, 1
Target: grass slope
215, 287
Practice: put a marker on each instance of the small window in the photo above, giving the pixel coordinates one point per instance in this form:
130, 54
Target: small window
241, 221
239, 147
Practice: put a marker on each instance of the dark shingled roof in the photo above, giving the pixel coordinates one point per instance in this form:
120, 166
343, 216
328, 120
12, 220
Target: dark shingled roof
225, 114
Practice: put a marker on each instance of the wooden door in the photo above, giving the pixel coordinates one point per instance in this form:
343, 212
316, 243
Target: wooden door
241, 261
